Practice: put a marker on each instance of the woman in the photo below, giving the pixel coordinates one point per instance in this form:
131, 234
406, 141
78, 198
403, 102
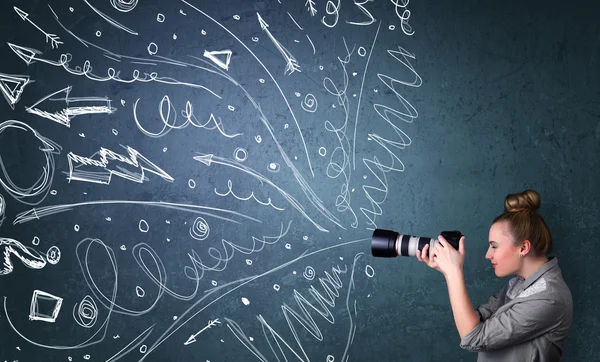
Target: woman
530, 318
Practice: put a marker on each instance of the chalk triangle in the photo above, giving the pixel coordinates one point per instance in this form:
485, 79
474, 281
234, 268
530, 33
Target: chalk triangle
205, 159
12, 87
217, 57
27, 54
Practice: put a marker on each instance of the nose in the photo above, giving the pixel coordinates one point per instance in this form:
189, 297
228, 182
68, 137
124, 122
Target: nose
488, 254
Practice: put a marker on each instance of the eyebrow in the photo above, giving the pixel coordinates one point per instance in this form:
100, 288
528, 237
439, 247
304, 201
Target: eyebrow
492, 241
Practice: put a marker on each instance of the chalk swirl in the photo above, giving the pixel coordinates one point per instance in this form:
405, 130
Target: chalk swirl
309, 273
85, 313
310, 103
200, 230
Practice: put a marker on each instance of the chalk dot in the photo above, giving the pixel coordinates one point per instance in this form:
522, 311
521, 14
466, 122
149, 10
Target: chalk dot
165, 149
294, 272
320, 67
143, 226
276, 287
354, 95
167, 222
123, 247
192, 184
115, 132
203, 32
258, 139
255, 39
375, 90
362, 51
365, 177
108, 218
53, 192
168, 240
305, 237
274, 167
139, 291
286, 126
71, 10
231, 108
70, 358
152, 48
76, 227
143, 349
160, 18
174, 36
322, 151
214, 283
330, 358
123, 102
98, 33
86, 357
35, 241
288, 246
245, 301
248, 261
251, 339
261, 80
392, 27
295, 157
174, 317
297, 94
236, 17
341, 258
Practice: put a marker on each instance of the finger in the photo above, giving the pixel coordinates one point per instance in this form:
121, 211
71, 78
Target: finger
425, 252
461, 246
419, 255
442, 241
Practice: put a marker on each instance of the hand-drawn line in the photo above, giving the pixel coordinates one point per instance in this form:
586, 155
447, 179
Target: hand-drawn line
352, 328
110, 21
242, 337
362, 86
404, 17
131, 346
213, 55
2, 209
288, 162
36, 214
291, 63
184, 318
134, 159
28, 256
42, 186
209, 159
168, 113
192, 338
332, 9
85, 313
364, 10
85, 105
34, 311
54, 39
111, 58
13, 94
310, 5
311, 43
251, 196
124, 6
294, 20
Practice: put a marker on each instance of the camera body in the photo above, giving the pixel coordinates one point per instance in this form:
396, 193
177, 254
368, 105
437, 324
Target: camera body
389, 244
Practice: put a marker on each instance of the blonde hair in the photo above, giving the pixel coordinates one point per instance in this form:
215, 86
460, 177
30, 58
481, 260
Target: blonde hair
524, 222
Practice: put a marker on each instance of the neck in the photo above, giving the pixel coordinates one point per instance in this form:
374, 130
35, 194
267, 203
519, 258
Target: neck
531, 264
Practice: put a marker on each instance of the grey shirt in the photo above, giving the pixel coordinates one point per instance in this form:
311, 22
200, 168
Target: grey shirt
528, 320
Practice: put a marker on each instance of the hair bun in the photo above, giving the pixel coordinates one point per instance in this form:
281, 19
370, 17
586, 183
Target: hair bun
528, 200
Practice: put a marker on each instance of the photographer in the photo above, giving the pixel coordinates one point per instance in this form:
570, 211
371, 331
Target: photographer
530, 318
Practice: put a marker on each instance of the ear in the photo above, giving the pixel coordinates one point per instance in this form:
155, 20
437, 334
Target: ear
525, 247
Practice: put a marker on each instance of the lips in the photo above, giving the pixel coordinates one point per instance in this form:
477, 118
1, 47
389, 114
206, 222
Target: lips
494, 265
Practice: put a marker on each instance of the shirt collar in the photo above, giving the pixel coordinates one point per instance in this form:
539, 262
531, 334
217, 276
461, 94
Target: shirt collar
550, 264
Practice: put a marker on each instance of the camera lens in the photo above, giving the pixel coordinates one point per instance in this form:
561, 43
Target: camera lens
383, 243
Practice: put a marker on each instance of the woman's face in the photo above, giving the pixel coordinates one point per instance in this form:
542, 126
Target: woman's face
502, 252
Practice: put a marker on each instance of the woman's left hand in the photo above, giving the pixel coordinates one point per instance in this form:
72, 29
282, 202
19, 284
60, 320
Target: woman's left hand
448, 259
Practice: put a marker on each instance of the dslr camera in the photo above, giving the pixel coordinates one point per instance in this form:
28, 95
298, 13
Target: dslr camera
389, 244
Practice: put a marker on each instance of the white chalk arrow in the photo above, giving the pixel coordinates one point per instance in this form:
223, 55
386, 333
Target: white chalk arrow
54, 39
214, 56
192, 338
84, 105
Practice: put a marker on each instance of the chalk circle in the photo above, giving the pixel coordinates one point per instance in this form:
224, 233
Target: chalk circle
160, 18
276, 287
98, 33
362, 51
191, 184
261, 80
236, 17
258, 139
152, 48
87, 357
71, 9
124, 5
143, 349
274, 167
53, 255
140, 292
305, 237
200, 229
248, 262
70, 358
286, 126
53, 192
115, 132
165, 149
310, 103
392, 27
203, 32
240, 154
143, 226
255, 39
123, 247
231, 108
76, 227
320, 67
214, 283
322, 151
330, 358
288, 246
369, 271
35, 241
309, 273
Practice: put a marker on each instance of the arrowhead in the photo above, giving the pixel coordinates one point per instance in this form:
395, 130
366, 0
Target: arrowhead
27, 54
190, 340
263, 24
21, 13
205, 159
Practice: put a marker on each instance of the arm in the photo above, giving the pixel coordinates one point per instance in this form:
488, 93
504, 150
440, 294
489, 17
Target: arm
486, 310
465, 316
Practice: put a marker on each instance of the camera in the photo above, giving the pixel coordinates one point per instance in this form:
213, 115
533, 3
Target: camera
389, 244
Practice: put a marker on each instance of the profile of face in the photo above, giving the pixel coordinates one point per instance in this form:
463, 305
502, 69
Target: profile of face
502, 251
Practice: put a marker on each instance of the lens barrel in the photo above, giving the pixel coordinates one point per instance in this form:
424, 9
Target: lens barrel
389, 244
383, 243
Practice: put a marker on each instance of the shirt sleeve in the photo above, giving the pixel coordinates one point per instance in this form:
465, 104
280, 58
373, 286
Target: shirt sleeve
485, 310
520, 323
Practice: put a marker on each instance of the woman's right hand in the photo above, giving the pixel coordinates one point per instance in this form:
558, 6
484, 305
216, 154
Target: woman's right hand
426, 258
